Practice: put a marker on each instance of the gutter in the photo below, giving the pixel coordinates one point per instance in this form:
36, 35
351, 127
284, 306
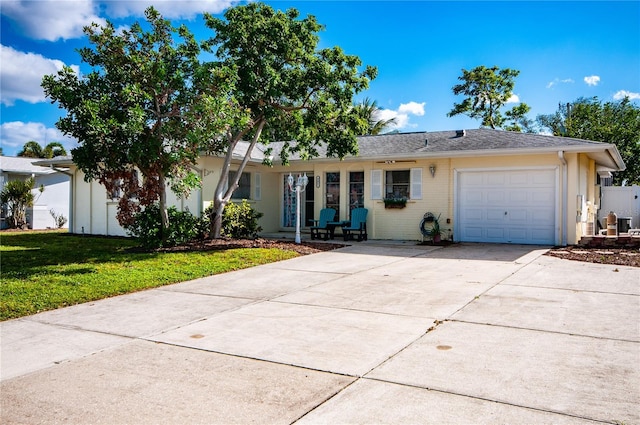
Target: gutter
565, 187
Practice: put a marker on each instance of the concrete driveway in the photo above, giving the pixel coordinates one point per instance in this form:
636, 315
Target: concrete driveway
371, 333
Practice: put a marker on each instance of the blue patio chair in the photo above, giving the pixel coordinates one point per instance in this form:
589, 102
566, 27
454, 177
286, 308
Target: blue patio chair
322, 225
358, 224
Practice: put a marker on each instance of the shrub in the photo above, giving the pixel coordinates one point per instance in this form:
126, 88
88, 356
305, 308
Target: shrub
239, 221
147, 227
18, 196
59, 219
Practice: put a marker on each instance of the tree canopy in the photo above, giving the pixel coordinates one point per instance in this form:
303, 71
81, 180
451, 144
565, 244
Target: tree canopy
148, 104
487, 91
611, 122
292, 90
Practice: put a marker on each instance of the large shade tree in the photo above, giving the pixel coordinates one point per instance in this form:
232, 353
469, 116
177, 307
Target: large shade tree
147, 106
611, 122
292, 90
487, 91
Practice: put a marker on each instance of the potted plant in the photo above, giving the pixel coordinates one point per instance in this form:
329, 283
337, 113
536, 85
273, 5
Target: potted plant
436, 231
395, 202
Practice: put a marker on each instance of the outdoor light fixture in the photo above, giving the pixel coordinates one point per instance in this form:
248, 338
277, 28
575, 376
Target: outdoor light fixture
299, 187
432, 170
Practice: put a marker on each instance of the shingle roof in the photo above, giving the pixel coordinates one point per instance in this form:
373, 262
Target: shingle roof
444, 144
22, 165
452, 141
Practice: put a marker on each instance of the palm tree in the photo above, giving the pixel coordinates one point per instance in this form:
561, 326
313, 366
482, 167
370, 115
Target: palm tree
32, 149
369, 110
54, 149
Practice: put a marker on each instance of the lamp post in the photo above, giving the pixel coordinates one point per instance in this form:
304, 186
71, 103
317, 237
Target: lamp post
298, 188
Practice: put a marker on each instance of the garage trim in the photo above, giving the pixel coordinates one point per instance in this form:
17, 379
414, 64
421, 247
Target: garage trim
457, 213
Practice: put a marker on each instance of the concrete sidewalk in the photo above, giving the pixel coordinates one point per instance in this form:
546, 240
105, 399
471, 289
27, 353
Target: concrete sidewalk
370, 333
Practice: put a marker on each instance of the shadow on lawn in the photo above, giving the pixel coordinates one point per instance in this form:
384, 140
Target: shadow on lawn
28, 253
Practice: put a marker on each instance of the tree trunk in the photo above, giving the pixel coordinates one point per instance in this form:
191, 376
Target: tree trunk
164, 215
222, 195
215, 229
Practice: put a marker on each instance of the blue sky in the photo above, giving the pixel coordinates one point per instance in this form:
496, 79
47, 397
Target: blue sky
563, 50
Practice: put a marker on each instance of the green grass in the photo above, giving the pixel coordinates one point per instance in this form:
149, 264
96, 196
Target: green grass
48, 270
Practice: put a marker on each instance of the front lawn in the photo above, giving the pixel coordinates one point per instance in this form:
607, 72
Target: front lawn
47, 270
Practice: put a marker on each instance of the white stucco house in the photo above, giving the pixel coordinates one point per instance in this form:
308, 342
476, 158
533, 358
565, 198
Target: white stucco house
485, 185
54, 197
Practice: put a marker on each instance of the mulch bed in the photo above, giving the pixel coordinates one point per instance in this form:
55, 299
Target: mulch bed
617, 256
303, 248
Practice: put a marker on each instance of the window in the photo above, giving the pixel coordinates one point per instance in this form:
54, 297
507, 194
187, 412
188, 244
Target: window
397, 184
243, 191
116, 190
356, 189
332, 199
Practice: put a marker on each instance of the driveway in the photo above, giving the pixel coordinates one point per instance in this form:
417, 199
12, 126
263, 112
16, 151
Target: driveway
370, 333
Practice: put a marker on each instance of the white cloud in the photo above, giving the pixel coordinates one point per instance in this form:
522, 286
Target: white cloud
52, 19
621, 94
513, 99
16, 133
170, 9
557, 81
412, 108
401, 115
592, 80
21, 74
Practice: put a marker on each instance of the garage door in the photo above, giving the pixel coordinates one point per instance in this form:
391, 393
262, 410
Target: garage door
507, 206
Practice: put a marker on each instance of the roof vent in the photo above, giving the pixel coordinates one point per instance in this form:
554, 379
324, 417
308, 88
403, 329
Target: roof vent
461, 133
426, 142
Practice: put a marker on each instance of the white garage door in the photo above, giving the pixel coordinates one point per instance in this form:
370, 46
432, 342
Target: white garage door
507, 206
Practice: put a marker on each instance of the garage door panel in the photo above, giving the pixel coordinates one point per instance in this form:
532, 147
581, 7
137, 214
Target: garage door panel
507, 206
517, 197
495, 197
473, 233
473, 197
495, 215
517, 179
493, 179
495, 234
517, 234
519, 216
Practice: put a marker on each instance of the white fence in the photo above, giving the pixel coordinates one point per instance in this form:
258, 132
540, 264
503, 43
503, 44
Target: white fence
622, 200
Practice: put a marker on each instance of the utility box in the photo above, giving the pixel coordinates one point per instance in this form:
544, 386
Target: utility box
624, 224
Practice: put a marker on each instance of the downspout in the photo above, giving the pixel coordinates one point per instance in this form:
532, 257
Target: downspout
565, 186
71, 210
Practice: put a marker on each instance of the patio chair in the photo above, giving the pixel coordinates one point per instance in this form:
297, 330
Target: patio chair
358, 224
322, 225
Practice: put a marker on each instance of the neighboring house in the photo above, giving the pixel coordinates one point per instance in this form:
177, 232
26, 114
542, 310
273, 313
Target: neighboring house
485, 185
54, 197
